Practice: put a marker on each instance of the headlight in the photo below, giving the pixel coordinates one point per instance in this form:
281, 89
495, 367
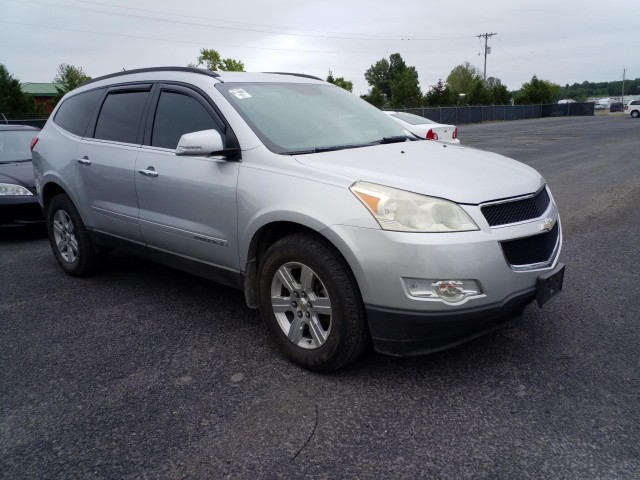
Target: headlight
403, 211
11, 189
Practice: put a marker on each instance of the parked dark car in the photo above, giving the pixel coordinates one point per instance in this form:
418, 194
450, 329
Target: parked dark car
18, 199
616, 107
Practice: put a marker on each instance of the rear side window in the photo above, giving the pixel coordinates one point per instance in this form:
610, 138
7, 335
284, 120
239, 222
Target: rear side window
120, 115
75, 112
176, 115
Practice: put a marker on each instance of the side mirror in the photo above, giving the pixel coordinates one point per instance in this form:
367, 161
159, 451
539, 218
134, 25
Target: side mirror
201, 144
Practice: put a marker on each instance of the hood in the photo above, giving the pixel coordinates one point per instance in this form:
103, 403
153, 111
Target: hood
18, 174
460, 174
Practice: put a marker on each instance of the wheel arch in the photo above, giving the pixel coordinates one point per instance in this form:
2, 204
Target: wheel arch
50, 190
262, 239
54, 185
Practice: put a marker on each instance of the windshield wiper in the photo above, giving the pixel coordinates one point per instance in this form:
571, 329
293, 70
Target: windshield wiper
396, 139
16, 161
331, 148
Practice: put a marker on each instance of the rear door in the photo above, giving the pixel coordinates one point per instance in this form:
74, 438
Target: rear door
106, 159
187, 204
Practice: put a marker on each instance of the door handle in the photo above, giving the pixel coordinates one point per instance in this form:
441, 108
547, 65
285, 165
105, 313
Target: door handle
149, 172
84, 160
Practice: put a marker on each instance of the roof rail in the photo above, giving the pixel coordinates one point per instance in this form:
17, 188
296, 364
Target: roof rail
303, 75
154, 69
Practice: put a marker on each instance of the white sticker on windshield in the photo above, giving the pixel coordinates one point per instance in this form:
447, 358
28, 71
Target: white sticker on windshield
239, 93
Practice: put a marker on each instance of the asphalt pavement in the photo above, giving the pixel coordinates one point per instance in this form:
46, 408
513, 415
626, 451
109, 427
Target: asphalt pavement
146, 372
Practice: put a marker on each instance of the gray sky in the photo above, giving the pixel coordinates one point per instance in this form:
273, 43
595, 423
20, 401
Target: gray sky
564, 41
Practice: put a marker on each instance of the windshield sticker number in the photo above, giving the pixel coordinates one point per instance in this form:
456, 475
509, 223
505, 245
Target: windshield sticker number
239, 93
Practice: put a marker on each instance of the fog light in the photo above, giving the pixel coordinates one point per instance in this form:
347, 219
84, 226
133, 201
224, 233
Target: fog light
452, 291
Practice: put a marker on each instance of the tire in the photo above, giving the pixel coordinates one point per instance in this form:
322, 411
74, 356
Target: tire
635, 114
310, 303
70, 241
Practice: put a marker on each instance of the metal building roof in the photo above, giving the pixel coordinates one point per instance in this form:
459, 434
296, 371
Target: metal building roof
40, 89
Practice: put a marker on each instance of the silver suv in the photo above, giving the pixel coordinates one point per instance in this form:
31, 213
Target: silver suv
340, 226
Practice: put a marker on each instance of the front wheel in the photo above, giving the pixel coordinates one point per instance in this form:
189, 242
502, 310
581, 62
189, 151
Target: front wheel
635, 114
70, 241
310, 303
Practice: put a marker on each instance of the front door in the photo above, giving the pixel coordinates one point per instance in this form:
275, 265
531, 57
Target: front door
187, 204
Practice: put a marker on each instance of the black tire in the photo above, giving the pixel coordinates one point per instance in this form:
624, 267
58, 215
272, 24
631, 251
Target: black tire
70, 241
635, 114
347, 334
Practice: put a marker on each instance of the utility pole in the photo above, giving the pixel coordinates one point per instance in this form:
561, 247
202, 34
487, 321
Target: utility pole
624, 72
487, 50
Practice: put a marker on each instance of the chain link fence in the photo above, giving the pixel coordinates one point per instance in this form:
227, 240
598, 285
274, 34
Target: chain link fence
31, 120
491, 113
447, 115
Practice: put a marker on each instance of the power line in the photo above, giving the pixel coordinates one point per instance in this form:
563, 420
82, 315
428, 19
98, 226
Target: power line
216, 44
199, 17
223, 27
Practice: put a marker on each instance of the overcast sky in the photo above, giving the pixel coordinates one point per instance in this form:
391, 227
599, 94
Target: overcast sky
564, 41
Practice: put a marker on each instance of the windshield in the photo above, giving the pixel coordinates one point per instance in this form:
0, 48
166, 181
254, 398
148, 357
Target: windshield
15, 146
411, 118
307, 117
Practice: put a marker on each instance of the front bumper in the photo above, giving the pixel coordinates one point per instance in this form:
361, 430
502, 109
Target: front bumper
402, 324
20, 211
400, 333
403, 333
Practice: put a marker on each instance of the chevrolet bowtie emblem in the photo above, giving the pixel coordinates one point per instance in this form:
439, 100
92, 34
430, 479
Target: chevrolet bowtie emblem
547, 224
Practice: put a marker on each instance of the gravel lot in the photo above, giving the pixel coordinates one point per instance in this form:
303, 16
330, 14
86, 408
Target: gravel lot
146, 372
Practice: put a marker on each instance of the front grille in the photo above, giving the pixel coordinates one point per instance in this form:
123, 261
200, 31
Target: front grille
531, 250
518, 210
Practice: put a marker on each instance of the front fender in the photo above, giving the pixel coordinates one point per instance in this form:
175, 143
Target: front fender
266, 197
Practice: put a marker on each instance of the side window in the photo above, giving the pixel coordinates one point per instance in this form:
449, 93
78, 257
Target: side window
120, 116
75, 112
176, 115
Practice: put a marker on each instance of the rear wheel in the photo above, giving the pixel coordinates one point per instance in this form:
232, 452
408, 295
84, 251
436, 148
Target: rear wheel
310, 303
70, 241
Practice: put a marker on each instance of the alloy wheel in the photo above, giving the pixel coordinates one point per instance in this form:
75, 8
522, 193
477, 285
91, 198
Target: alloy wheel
64, 235
301, 305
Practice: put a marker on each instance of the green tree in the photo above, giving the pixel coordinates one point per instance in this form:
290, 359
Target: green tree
405, 91
499, 93
479, 93
582, 91
212, 60
537, 91
394, 77
378, 76
491, 92
69, 77
397, 67
340, 82
466, 79
439, 95
375, 97
13, 101
463, 78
